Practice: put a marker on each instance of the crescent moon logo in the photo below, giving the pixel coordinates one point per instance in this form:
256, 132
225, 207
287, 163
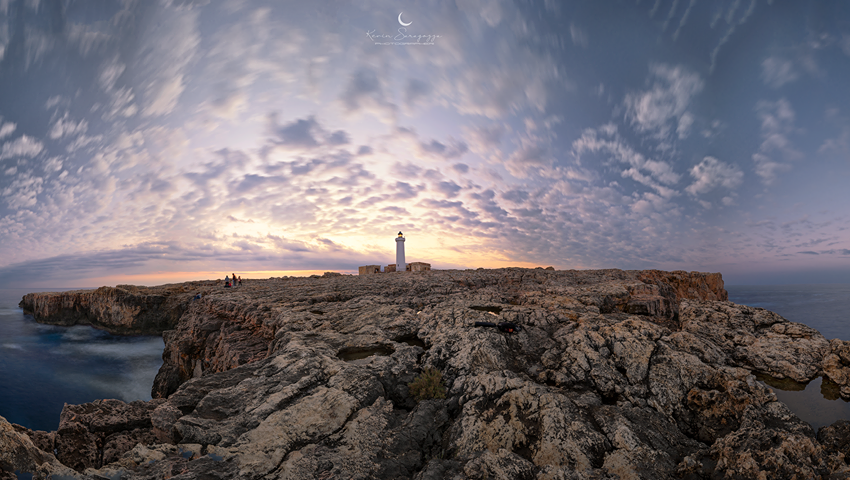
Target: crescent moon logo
402, 22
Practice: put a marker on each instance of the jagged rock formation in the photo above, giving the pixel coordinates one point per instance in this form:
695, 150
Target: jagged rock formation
123, 310
616, 374
19, 453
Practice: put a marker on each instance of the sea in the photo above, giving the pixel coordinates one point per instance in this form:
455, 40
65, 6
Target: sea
822, 307
42, 367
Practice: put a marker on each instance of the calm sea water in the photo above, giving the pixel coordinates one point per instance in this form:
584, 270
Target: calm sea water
42, 367
822, 307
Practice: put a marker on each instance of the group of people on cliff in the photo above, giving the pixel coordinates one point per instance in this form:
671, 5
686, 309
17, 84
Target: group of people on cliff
228, 282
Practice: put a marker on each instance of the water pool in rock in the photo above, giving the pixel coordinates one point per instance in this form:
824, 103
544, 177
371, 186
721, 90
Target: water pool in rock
816, 402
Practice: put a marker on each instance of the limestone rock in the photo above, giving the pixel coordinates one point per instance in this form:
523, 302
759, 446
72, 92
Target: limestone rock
94, 434
836, 365
615, 374
18, 453
125, 309
757, 339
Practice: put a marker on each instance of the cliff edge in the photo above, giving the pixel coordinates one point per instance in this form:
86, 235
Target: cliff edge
122, 310
614, 374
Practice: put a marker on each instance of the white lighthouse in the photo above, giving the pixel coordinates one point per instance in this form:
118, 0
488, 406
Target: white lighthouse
400, 266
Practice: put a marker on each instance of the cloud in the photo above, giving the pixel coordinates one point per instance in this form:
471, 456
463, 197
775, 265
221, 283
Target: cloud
519, 80
65, 127
267, 252
415, 91
300, 133
711, 173
777, 123
454, 148
23, 146
516, 196
404, 191
731, 29
406, 171
667, 101
684, 19
252, 183
339, 137
670, 15
449, 189
491, 11
168, 48
684, 127
6, 129
23, 191
258, 47
485, 140
777, 72
658, 175
88, 40
527, 159
460, 167
304, 133
509, 186
109, 73
579, 36
839, 145
55, 101
36, 41
121, 104
365, 92
396, 210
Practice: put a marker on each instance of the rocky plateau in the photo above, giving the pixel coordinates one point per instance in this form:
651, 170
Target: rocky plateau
614, 375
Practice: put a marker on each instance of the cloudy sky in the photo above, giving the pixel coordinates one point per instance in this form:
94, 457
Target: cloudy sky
146, 142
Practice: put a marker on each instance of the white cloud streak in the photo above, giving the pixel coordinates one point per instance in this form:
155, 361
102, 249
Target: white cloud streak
665, 104
7, 129
776, 149
711, 173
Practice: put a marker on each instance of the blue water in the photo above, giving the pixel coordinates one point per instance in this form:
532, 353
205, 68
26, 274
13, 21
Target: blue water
822, 307
42, 367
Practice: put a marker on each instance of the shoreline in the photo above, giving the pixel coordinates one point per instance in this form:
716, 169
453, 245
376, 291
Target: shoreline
606, 350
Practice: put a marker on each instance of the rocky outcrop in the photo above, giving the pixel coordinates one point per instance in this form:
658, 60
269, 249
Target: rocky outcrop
19, 453
214, 336
124, 310
615, 374
687, 285
836, 365
722, 333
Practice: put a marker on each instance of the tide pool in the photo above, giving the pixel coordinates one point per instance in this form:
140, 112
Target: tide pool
822, 307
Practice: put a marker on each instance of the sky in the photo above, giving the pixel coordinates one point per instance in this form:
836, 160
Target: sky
149, 142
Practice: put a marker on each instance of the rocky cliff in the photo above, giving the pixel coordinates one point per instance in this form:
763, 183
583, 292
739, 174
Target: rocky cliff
615, 374
123, 310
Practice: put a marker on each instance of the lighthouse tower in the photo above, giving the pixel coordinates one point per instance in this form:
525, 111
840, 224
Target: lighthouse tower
400, 266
